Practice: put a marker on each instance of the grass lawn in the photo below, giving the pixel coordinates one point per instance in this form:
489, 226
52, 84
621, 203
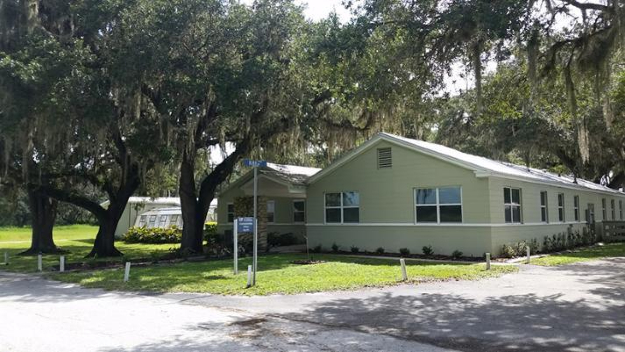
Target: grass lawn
78, 239
582, 255
277, 273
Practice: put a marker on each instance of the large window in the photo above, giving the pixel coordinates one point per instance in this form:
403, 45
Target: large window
230, 212
544, 209
512, 204
152, 222
173, 220
613, 209
271, 211
561, 207
604, 211
438, 205
143, 220
576, 207
342, 207
299, 210
162, 221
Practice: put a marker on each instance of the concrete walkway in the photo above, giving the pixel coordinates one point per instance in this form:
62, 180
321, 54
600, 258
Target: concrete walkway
572, 308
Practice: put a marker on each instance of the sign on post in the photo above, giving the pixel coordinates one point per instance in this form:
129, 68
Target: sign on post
245, 225
255, 163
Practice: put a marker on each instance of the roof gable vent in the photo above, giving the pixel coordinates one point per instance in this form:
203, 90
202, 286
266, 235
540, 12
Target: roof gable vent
385, 158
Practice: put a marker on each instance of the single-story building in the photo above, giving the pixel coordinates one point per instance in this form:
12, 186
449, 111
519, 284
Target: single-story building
139, 205
394, 192
161, 218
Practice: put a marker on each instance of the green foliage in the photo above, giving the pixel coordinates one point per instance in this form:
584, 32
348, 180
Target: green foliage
317, 249
335, 247
379, 250
404, 251
153, 235
507, 251
275, 239
427, 250
456, 254
354, 249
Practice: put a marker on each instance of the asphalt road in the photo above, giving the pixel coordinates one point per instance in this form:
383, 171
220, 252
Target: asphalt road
573, 308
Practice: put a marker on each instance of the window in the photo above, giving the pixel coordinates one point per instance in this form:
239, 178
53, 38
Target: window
342, 207
271, 211
142, 220
385, 158
162, 221
173, 220
576, 207
544, 210
620, 209
152, 221
512, 204
230, 212
604, 211
299, 211
561, 207
438, 205
590, 213
613, 209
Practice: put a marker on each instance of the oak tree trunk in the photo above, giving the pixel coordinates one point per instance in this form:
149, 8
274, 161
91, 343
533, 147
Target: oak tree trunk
43, 212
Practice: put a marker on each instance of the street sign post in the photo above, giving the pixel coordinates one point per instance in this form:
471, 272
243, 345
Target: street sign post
255, 164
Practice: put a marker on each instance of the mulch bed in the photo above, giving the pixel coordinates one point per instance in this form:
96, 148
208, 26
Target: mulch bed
440, 257
308, 262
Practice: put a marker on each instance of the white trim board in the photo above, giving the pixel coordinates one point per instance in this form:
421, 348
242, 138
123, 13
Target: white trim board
410, 224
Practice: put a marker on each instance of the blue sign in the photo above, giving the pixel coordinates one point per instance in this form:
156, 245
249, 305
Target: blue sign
255, 163
245, 225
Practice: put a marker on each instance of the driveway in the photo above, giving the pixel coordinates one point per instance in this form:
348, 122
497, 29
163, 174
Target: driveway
573, 308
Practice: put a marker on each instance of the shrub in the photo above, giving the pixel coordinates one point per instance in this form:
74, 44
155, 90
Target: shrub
507, 251
335, 247
520, 249
275, 239
210, 228
317, 249
380, 250
153, 236
534, 246
427, 250
354, 249
456, 254
404, 251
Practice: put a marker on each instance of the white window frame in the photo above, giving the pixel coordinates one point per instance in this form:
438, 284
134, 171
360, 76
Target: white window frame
340, 207
228, 213
437, 205
298, 211
604, 209
162, 220
576, 209
542, 206
274, 211
173, 222
512, 205
143, 220
613, 208
152, 224
561, 208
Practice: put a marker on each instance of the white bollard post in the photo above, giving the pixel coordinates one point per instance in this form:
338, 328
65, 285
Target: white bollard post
39, 263
127, 272
404, 274
62, 264
6, 258
528, 254
249, 276
487, 261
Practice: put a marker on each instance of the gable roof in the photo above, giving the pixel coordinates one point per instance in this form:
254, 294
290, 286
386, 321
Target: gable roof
285, 174
482, 166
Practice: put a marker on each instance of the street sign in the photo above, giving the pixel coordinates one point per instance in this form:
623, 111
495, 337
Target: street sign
255, 163
245, 225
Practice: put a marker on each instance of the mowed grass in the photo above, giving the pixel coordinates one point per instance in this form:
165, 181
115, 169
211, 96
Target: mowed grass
582, 255
77, 239
278, 275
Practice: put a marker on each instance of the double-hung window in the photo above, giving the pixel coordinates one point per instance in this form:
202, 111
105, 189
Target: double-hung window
613, 209
561, 207
173, 220
142, 220
230, 212
544, 208
152, 222
271, 211
604, 210
512, 204
299, 210
576, 207
342, 207
438, 205
162, 221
